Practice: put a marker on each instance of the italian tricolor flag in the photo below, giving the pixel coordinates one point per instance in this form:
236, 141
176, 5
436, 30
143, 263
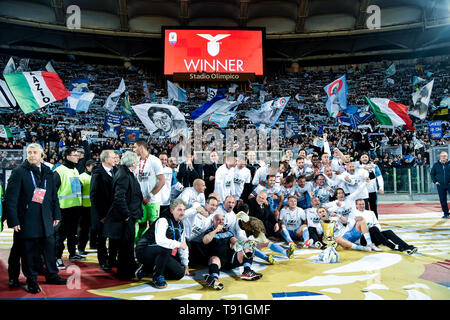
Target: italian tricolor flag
390, 113
34, 90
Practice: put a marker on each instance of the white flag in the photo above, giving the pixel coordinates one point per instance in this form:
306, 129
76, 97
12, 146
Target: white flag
421, 99
113, 98
49, 67
10, 66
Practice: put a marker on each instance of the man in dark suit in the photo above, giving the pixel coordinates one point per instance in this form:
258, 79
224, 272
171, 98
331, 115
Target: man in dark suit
189, 171
440, 175
209, 170
33, 212
259, 208
126, 209
101, 201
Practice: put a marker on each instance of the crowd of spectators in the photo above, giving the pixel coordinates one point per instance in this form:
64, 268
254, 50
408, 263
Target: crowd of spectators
56, 130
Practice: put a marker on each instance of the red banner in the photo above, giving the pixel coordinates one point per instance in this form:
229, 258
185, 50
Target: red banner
213, 51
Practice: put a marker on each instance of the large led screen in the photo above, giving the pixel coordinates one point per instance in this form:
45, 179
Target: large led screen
213, 51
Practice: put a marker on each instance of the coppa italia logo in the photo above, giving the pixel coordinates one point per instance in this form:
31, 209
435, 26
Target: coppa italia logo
213, 46
210, 51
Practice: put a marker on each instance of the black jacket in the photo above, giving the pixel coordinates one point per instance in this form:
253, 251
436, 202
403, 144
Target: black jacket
187, 176
35, 220
209, 170
101, 194
127, 203
262, 214
441, 173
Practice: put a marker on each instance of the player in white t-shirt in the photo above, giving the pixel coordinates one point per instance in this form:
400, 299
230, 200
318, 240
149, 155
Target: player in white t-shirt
294, 218
151, 178
242, 175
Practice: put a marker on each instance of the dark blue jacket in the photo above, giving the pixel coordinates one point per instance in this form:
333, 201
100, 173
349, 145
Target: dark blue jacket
441, 173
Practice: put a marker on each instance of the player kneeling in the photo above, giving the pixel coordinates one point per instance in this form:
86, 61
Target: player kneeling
226, 253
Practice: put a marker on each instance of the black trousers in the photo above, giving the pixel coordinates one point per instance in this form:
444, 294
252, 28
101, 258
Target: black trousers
31, 251
387, 238
442, 192
314, 235
159, 261
102, 251
373, 203
126, 265
67, 229
197, 253
14, 258
84, 228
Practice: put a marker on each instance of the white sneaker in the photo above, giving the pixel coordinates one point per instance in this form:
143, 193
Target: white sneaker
60, 264
374, 247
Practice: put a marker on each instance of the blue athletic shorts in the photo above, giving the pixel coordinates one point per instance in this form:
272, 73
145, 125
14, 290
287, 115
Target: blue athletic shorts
352, 235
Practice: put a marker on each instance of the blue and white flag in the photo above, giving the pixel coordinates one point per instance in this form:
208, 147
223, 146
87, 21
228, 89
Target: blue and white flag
347, 120
221, 119
145, 87
6, 97
232, 88
266, 117
10, 66
435, 129
113, 98
217, 104
79, 101
111, 127
211, 93
291, 126
417, 80
337, 96
242, 98
176, 93
391, 70
363, 116
49, 67
351, 109
256, 86
79, 85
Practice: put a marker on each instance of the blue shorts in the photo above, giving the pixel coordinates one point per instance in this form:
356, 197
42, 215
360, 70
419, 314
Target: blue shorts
352, 235
293, 234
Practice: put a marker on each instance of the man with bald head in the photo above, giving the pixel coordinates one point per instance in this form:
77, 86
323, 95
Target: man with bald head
194, 196
440, 175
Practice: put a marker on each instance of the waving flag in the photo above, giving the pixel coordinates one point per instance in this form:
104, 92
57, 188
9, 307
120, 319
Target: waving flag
391, 70
363, 116
347, 120
161, 120
49, 67
79, 85
145, 87
111, 127
176, 93
211, 93
337, 96
221, 119
6, 98
79, 101
10, 66
5, 132
390, 113
34, 90
421, 99
113, 98
217, 104
266, 117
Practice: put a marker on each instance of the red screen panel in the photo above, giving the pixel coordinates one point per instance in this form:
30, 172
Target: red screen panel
221, 51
